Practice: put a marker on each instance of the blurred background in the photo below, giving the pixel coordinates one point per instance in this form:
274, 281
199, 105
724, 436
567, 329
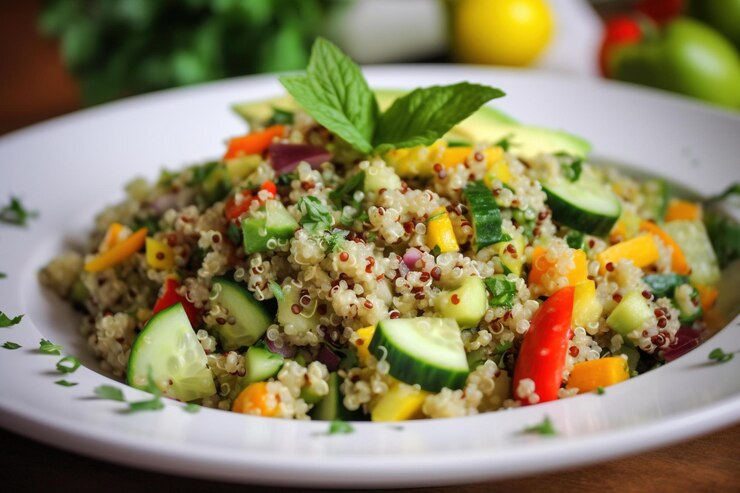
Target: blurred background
61, 55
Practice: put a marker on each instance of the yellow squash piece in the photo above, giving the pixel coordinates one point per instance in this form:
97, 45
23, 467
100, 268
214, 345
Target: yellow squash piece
586, 307
588, 376
642, 250
118, 253
440, 232
401, 402
159, 255
362, 343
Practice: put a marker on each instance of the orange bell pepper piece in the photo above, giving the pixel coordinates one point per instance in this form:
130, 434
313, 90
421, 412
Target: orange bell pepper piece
678, 260
118, 252
255, 399
541, 265
253, 143
683, 210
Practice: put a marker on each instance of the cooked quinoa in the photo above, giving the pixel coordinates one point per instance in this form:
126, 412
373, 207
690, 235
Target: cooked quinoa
373, 260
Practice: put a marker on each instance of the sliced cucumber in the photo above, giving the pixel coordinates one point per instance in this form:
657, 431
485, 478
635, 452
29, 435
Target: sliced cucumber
330, 407
686, 299
422, 351
251, 317
466, 304
303, 321
655, 199
630, 314
512, 261
694, 242
261, 364
663, 285
168, 351
584, 207
485, 216
380, 176
273, 223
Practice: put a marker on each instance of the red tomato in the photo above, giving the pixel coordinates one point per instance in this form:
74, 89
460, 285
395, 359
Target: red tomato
618, 31
170, 297
660, 10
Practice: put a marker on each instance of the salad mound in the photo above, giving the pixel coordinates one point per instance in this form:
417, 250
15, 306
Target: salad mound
361, 255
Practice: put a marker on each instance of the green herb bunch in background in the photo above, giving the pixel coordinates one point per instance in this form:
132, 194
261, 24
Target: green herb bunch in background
118, 48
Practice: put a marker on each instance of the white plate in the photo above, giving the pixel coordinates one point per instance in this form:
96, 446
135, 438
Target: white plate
71, 167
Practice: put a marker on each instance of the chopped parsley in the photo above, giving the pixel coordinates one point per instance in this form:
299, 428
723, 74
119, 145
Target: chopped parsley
15, 213
503, 347
334, 239
436, 216
574, 239
720, 356
570, 166
6, 321
48, 347
286, 178
192, 408
338, 426
68, 364
600, 390
65, 383
153, 404
344, 194
3, 275
502, 291
280, 116
316, 216
11, 345
436, 251
545, 428
277, 290
505, 142
109, 392
234, 233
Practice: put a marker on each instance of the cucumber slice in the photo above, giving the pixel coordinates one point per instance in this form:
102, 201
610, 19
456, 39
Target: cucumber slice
331, 407
423, 350
485, 216
380, 176
694, 242
303, 321
630, 314
168, 350
655, 196
252, 318
512, 261
261, 364
471, 303
590, 209
275, 223
686, 299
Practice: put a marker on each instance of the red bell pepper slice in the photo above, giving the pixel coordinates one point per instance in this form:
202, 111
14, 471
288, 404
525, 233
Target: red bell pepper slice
232, 211
542, 355
170, 297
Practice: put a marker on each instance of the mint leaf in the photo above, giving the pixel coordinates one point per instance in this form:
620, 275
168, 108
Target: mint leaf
335, 93
426, 114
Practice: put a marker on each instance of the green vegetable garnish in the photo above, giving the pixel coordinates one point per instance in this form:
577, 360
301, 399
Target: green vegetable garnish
335, 93
11, 345
344, 193
338, 426
192, 408
15, 213
47, 347
502, 290
316, 216
65, 383
545, 428
3, 275
574, 239
110, 393
505, 142
68, 364
153, 404
570, 166
334, 239
277, 291
600, 390
6, 321
720, 356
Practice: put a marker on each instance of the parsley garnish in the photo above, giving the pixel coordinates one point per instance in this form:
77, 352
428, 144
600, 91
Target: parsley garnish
277, 290
436, 251
720, 356
316, 216
47, 347
3, 275
153, 404
335, 93
6, 321
110, 393
338, 426
68, 364
503, 347
344, 194
505, 142
280, 116
570, 166
436, 216
11, 345
545, 428
15, 213
502, 290
600, 390
574, 239
334, 239
191, 408
234, 233
65, 383
286, 178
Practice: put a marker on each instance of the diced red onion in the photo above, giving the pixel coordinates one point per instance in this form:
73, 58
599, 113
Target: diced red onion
163, 203
285, 157
411, 256
329, 358
686, 340
285, 350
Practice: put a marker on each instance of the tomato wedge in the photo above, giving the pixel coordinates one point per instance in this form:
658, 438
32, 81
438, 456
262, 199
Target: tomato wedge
542, 355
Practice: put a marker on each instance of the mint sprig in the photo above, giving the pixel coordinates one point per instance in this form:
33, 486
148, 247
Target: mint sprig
335, 93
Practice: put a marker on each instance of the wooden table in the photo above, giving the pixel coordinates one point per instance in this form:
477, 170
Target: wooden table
32, 88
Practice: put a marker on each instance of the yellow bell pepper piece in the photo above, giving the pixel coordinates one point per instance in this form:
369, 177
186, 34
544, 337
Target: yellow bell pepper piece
588, 376
642, 250
586, 307
541, 265
111, 237
455, 155
362, 343
159, 255
401, 402
440, 232
416, 161
118, 253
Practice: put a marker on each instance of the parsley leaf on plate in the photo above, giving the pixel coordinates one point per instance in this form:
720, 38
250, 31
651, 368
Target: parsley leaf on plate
338, 426
11, 345
545, 428
65, 383
192, 408
109, 392
68, 364
720, 356
6, 321
48, 347
15, 213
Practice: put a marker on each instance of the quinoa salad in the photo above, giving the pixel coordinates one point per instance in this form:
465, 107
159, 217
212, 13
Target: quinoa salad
308, 275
